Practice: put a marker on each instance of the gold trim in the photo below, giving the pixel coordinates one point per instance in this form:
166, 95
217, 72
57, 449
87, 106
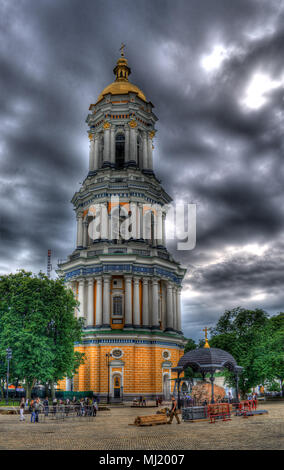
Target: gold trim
133, 123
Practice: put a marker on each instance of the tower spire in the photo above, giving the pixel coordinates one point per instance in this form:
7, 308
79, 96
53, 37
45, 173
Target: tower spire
121, 70
122, 49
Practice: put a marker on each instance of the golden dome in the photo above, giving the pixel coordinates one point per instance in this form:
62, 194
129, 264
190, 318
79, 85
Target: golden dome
121, 85
121, 88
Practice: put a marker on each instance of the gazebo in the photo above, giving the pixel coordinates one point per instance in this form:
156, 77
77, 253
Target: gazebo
207, 360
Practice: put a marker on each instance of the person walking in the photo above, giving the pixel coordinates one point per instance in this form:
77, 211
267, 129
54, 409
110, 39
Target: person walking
173, 412
32, 411
82, 407
46, 407
22, 410
54, 406
37, 407
67, 406
94, 407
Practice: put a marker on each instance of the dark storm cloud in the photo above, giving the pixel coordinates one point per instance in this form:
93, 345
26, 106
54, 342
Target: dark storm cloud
57, 56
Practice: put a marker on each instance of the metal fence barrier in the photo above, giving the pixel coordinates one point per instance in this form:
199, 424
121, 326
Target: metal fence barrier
60, 413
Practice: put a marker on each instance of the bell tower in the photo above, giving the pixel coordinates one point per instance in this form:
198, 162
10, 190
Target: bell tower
121, 130
127, 283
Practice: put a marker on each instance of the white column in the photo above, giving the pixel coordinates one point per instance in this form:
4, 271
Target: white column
104, 221
179, 309
90, 317
112, 145
128, 300
136, 303
91, 155
106, 145
169, 306
85, 234
155, 304
79, 230
139, 220
159, 227
81, 298
145, 304
134, 207
150, 154
99, 309
145, 151
106, 308
96, 153
164, 230
68, 384
140, 156
126, 148
174, 308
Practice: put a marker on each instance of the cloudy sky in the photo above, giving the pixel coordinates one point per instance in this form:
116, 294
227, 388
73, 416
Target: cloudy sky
214, 70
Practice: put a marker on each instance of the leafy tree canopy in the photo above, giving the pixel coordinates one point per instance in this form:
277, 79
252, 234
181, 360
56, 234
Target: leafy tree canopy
37, 321
256, 342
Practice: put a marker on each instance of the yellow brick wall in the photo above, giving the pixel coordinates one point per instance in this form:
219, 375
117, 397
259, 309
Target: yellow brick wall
142, 371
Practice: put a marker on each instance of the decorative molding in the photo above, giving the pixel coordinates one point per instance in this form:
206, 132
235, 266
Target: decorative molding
124, 268
132, 124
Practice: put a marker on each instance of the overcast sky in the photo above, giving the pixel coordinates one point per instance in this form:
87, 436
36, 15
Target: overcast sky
215, 73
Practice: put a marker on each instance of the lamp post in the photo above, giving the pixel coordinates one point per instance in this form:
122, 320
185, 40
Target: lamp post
9, 356
108, 355
212, 378
237, 387
179, 380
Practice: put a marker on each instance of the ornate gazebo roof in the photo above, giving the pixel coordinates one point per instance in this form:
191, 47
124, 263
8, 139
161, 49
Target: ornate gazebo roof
207, 360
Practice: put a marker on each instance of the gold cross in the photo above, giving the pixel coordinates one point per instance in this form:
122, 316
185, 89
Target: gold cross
206, 345
122, 49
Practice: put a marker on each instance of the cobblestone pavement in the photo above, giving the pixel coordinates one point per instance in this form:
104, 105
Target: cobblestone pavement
110, 430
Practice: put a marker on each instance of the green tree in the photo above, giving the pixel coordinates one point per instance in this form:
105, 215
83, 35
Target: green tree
254, 341
276, 333
37, 321
190, 345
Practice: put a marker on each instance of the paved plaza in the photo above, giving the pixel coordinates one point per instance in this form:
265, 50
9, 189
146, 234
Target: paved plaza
110, 430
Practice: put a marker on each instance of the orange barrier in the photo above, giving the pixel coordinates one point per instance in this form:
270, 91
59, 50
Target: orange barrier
246, 406
219, 411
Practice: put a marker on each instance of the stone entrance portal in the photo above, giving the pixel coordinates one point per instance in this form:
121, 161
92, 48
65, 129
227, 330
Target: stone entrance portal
116, 386
166, 387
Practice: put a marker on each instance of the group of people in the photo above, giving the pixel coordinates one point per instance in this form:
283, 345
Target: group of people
252, 396
82, 407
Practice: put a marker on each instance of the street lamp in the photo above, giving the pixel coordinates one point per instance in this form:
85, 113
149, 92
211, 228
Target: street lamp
108, 355
9, 356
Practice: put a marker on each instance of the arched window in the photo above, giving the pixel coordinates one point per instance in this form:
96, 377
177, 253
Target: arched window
119, 151
117, 305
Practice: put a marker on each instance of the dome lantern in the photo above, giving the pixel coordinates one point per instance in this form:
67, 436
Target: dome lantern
121, 70
121, 84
